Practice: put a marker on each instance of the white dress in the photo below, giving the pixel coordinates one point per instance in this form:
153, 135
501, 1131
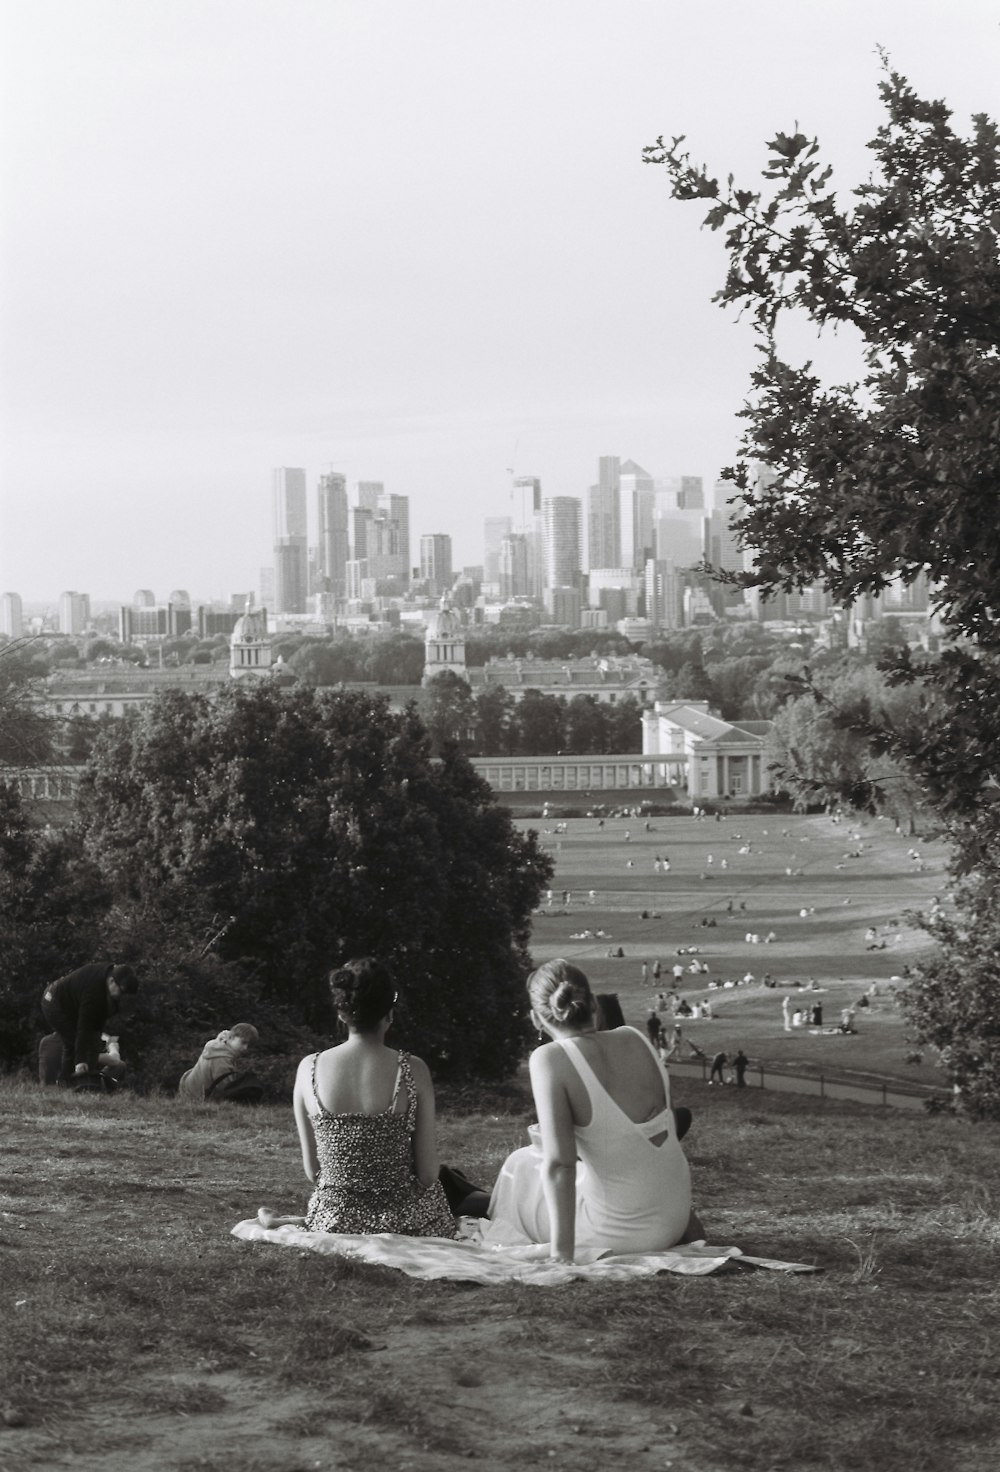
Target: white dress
631, 1195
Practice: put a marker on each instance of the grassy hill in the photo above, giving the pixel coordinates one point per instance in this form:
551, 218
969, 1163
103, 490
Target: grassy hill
136, 1332
819, 887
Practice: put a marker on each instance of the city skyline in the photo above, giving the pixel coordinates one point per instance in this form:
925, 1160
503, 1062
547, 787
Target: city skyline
397, 244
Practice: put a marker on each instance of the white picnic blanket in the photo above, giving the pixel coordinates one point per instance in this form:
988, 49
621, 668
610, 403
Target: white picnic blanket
469, 1259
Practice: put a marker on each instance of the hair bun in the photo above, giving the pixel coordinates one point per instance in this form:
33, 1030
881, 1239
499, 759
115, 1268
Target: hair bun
363, 992
562, 1002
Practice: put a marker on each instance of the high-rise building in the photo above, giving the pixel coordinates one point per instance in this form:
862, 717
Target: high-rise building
637, 493
562, 518
333, 541
604, 537
495, 528
380, 532
291, 546
678, 533
664, 595
368, 494
687, 491
74, 613
435, 562
265, 587
11, 615
138, 621
397, 510
722, 550
515, 566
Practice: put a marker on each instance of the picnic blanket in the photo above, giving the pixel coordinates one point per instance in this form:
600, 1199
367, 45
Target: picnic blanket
470, 1260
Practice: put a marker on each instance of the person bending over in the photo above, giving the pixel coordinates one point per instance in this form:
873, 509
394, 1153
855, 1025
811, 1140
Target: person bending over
77, 1008
609, 1174
365, 1117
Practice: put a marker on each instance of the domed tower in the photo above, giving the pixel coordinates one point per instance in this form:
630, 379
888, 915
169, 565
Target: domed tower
444, 646
249, 644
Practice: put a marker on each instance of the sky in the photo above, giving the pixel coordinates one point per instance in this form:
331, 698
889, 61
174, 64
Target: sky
410, 240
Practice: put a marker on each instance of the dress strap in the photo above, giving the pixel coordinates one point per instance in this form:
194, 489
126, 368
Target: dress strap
404, 1075
316, 1098
596, 1089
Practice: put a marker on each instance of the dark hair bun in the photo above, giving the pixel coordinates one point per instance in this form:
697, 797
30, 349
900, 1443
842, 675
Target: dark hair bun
363, 992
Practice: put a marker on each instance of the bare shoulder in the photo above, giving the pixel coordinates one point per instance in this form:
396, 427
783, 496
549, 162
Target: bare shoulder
421, 1073
304, 1072
545, 1061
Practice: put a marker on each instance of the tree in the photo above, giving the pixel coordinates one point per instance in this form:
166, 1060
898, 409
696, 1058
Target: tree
624, 720
495, 718
540, 724
306, 827
450, 715
586, 726
818, 745
892, 476
393, 659
51, 905
25, 732
914, 269
325, 662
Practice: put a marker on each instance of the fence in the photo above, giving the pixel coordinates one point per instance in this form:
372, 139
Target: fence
825, 1088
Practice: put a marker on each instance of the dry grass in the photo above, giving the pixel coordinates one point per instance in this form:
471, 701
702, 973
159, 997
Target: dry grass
136, 1330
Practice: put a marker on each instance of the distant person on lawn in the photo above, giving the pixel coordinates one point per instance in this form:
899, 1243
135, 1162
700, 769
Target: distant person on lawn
718, 1068
77, 1008
217, 1076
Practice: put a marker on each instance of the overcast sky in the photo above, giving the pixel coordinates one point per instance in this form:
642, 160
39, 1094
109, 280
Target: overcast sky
412, 240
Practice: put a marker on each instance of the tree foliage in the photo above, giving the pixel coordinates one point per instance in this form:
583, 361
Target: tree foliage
25, 731
51, 904
914, 268
892, 475
312, 827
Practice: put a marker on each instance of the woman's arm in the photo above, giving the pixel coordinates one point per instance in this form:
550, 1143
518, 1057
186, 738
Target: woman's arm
307, 1140
425, 1154
558, 1149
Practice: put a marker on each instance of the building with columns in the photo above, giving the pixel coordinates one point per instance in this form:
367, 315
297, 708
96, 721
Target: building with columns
721, 759
250, 645
444, 644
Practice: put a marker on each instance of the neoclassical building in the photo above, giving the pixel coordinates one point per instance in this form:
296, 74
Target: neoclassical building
250, 644
720, 758
444, 643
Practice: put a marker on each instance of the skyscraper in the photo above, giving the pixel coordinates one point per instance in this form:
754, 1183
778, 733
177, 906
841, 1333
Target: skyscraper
332, 531
562, 517
604, 537
397, 511
74, 613
11, 615
495, 528
515, 566
636, 497
380, 532
435, 562
291, 546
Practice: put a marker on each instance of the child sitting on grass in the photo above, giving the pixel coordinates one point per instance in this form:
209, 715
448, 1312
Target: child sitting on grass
217, 1076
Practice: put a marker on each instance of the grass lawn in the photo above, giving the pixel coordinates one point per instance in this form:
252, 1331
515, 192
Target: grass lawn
137, 1333
849, 877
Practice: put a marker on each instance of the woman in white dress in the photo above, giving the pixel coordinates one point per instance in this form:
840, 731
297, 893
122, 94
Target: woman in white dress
607, 1173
